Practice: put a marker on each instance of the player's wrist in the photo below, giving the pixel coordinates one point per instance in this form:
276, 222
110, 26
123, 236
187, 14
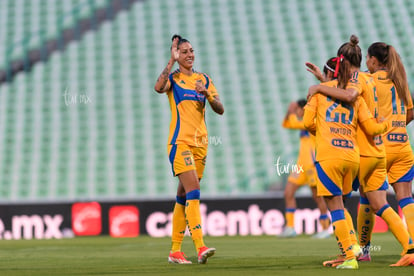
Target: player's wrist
210, 98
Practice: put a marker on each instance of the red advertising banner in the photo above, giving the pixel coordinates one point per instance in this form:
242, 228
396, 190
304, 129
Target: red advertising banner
86, 219
124, 221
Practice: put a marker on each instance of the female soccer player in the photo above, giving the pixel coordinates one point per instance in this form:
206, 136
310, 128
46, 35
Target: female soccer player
373, 160
329, 75
395, 104
337, 151
306, 159
187, 91
293, 120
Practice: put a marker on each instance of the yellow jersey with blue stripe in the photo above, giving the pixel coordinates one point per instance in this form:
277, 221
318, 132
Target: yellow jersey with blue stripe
336, 125
188, 108
392, 108
369, 145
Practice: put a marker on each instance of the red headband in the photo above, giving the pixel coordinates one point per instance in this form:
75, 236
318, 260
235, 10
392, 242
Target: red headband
338, 61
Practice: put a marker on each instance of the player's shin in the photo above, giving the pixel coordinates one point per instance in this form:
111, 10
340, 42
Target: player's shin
365, 224
407, 206
341, 231
396, 226
193, 218
178, 224
352, 234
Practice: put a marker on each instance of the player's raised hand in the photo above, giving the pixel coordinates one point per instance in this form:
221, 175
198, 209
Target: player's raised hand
174, 51
200, 88
314, 70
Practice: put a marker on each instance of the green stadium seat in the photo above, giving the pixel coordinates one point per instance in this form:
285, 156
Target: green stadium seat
115, 147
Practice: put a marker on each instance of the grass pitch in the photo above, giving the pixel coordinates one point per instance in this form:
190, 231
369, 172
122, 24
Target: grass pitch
251, 255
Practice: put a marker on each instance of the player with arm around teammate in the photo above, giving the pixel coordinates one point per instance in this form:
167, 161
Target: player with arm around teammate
337, 153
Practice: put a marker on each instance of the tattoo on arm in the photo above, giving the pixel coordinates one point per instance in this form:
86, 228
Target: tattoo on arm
162, 80
163, 77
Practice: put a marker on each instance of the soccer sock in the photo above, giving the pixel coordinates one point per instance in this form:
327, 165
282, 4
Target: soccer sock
193, 217
351, 227
341, 231
178, 224
407, 206
324, 221
290, 217
365, 224
396, 226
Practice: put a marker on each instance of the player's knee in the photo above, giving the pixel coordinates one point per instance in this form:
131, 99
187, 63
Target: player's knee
375, 208
402, 191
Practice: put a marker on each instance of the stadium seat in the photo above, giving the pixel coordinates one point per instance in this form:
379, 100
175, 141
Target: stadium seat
116, 145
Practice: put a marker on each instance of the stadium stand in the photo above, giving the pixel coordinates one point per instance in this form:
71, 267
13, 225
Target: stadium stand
86, 124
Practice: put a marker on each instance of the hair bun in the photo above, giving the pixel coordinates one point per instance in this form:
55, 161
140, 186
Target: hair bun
354, 40
176, 36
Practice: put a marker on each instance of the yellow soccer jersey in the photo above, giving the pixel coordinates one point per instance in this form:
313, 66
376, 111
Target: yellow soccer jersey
365, 85
188, 108
306, 156
336, 124
392, 108
293, 122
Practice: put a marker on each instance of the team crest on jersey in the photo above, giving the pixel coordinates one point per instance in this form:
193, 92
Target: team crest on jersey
188, 161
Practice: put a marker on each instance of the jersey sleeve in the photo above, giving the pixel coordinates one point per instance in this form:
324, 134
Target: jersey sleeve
363, 111
355, 84
293, 122
367, 122
410, 102
312, 104
171, 80
210, 85
310, 114
371, 127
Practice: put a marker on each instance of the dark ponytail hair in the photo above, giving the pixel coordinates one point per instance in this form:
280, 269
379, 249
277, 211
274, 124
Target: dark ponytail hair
301, 103
349, 54
344, 72
380, 51
180, 40
387, 56
351, 51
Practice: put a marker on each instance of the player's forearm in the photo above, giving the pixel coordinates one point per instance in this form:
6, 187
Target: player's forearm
162, 81
216, 105
345, 95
